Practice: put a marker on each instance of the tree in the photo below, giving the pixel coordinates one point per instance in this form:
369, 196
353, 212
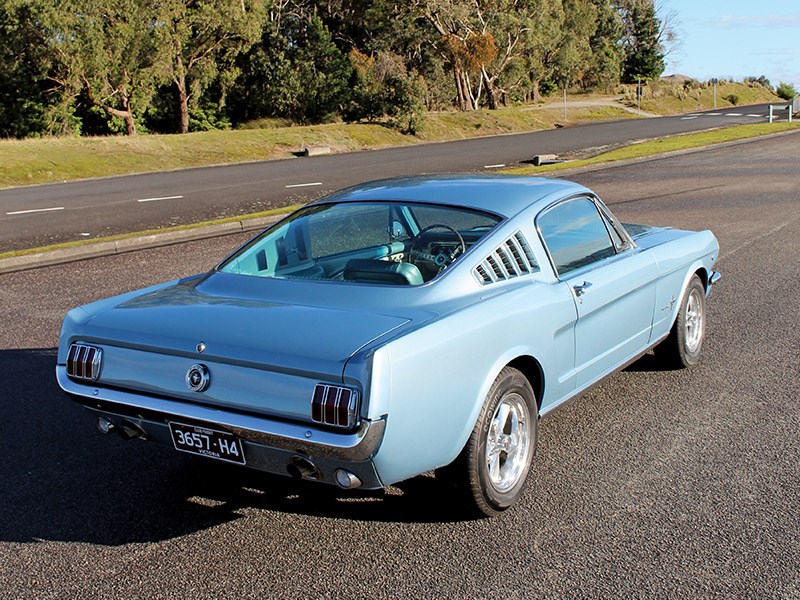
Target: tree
268, 84
605, 66
644, 54
574, 51
322, 69
24, 101
199, 40
482, 41
103, 48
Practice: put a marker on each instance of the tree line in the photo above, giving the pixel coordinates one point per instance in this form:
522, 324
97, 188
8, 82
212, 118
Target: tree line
126, 66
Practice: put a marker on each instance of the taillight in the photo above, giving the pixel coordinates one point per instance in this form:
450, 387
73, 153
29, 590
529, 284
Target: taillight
334, 405
83, 362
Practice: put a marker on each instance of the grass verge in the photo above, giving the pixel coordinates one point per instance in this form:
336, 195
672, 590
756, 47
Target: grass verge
668, 144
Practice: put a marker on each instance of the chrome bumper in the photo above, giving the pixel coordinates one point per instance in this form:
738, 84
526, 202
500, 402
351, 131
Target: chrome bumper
715, 277
269, 441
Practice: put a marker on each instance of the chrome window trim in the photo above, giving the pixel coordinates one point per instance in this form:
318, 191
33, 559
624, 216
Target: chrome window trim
605, 216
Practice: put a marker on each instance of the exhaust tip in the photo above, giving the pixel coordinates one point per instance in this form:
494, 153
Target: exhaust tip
302, 468
105, 425
129, 430
346, 479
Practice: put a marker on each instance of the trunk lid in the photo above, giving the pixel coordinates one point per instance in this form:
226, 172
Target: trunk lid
263, 356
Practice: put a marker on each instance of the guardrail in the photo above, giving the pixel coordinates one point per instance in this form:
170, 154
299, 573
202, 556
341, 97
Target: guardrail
780, 107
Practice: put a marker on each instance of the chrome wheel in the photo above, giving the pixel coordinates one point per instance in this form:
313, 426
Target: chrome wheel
508, 443
491, 472
694, 321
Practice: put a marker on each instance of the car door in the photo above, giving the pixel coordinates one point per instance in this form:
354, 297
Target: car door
612, 283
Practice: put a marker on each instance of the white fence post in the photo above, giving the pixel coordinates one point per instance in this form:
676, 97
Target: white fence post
789, 109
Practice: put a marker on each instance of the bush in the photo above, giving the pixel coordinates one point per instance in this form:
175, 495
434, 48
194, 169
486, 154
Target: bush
786, 91
732, 98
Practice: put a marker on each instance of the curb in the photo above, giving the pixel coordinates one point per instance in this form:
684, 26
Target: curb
109, 248
651, 157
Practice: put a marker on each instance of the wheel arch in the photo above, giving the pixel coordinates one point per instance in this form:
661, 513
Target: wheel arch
702, 273
533, 372
699, 269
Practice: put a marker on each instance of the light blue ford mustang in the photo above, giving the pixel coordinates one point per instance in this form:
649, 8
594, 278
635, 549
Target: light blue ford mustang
394, 328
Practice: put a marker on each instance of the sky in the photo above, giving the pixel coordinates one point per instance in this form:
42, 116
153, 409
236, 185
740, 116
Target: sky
736, 38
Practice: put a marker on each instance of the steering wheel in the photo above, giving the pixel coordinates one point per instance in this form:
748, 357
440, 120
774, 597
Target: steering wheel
443, 258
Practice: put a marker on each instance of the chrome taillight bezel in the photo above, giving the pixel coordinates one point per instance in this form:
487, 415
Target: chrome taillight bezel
335, 405
84, 361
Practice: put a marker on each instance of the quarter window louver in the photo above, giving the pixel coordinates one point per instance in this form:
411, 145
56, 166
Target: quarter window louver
511, 259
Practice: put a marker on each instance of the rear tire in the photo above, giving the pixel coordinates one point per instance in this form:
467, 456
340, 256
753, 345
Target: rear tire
682, 347
491, 472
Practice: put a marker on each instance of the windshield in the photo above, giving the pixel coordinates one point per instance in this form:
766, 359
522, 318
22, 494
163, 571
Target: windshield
391, 243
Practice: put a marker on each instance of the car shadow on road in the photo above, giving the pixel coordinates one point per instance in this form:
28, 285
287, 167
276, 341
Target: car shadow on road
648, 363
62, 480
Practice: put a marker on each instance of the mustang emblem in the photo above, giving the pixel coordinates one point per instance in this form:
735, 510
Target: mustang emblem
198, 377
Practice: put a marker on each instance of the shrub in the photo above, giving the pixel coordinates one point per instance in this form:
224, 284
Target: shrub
786, 91
732, 98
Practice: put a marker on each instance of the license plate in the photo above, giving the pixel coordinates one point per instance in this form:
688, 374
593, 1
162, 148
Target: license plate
207, 442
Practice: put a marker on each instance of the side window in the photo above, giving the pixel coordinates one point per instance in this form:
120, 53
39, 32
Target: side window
574, 234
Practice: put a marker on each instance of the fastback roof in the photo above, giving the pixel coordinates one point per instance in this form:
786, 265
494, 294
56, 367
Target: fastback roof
505, 195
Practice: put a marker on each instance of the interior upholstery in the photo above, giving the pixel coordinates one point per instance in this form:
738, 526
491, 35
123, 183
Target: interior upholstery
382, 271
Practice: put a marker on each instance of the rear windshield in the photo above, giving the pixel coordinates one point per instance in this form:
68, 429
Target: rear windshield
389, 243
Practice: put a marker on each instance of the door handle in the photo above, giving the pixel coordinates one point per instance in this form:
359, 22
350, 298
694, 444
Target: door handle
580, 290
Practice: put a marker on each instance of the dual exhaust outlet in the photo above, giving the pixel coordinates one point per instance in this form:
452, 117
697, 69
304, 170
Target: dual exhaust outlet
299, 467
127, 430
302, 468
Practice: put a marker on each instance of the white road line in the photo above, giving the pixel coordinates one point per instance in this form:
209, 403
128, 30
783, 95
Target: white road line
713, 114
756, 115
494, 166
34, 210
688, 118
297, 185
733, 114
162, 198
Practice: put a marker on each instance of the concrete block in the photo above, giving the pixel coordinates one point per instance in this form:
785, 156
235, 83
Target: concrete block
544, 159
316, 150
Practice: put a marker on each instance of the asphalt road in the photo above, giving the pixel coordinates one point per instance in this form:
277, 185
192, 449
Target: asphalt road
40, 215
655, 484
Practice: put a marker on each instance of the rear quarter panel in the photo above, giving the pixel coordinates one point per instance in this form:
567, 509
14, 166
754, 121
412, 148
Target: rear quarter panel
432, 382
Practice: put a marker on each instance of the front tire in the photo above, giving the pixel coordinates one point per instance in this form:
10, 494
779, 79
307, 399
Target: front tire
492, 469
682, 347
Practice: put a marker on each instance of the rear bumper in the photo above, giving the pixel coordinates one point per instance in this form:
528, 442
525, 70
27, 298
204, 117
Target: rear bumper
269, 445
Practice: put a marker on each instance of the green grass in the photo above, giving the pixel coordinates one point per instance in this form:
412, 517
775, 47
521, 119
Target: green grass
666, 98
667, 144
